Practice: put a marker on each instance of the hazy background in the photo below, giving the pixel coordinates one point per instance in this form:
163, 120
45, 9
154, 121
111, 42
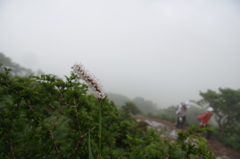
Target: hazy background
165, 51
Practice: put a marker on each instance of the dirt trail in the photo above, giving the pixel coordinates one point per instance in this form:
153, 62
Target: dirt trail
217, 147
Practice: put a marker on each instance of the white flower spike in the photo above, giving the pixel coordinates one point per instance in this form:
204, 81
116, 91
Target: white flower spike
90, 79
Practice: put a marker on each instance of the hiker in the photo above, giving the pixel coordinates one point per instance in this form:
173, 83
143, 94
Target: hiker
203, 119
181, 114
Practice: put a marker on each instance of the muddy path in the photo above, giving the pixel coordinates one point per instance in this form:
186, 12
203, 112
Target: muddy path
217, 147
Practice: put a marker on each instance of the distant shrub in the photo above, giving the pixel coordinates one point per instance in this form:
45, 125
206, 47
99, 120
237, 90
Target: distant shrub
230, 140
131, 107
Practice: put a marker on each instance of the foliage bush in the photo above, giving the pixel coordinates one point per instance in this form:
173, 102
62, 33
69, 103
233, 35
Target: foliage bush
230, 140
47, 117
226, 104
131, 107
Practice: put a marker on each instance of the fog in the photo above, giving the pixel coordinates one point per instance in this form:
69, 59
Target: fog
166, 51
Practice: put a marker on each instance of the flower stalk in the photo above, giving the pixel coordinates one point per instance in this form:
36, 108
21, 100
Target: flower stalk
96, 86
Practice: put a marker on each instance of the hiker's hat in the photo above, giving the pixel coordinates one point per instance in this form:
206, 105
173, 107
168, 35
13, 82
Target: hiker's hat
210, 109
187, 104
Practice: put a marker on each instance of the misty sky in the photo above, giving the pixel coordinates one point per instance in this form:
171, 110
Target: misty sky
166, 51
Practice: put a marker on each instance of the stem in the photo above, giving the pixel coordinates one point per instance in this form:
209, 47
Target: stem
55, 120
82, 137
54, 123
87, 132
12, 149
100, 129
80, 133
29, 105
55, 108
75, 107
90, 156
78, 121
55, 144
11, 87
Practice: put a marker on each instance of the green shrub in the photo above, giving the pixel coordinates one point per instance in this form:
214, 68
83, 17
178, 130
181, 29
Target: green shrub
131, 107
47, 117
230, 140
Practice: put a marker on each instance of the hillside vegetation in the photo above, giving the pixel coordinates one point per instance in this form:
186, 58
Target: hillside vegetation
48, 117
225, 121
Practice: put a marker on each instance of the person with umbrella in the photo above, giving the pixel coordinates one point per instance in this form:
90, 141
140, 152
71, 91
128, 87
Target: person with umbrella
181, 114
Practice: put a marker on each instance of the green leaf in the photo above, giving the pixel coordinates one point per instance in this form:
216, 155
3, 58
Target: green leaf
89, 146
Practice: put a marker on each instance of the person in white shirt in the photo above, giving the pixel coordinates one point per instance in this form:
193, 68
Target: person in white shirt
181, 114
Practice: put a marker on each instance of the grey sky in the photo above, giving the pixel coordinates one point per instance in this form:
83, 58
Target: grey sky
163, 50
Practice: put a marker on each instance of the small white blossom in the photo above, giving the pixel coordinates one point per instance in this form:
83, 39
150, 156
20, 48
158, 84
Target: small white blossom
90, 79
